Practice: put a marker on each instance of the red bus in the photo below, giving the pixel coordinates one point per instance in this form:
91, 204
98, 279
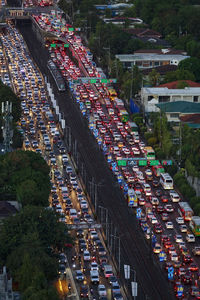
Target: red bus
186, 211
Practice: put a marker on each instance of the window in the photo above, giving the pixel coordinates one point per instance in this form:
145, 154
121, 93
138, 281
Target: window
127, 64
195, 99
175, 115
164, 99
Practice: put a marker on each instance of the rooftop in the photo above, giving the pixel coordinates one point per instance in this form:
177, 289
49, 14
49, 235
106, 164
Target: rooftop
7, 209
162, 70
164, 91
179, 107
143, 32
149, 56
174, 84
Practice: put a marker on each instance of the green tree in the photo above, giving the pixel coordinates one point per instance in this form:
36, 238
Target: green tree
154, 78
182, 84
192, 65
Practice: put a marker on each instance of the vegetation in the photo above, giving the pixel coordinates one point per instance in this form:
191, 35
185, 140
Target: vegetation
24, 176
31, 239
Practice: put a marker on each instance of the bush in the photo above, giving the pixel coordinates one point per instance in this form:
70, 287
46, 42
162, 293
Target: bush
152, 141
159, 153
172, 170
138, 120
194, 200
148, 135
197, 209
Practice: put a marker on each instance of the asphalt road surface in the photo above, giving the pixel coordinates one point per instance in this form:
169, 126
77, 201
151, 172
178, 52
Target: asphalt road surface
135, 251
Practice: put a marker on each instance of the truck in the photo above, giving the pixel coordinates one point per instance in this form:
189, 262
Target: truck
133, 127
132, 198
94, 276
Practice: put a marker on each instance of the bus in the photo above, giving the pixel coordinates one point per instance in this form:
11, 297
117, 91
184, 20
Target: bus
166, 181
132, 198
195, 225
124, 116
112, 94
149, 153
133, 127
185, 210
157, 170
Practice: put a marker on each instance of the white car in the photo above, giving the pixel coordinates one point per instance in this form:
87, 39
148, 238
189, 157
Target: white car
174, 256
102, 290
190, 238
183, 228
169, 225
175, 197
93, 234
178, 238
86, 255
94, 266
83, 204
154, 220
180, 220
154, 201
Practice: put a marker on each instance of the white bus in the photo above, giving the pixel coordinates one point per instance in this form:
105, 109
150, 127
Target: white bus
166, 181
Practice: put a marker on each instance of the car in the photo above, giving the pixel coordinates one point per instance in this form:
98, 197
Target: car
157, 249
169, 225
158, 228
101, 290
178, 238
193, 267
169, 208
164, 198
187, 259
84, 291
82, 245
196, 250
94, 266
190, 238
183, 228
61, 269
86, 255
115, 288
79, 275
195, 292
165, 217
62, 258
174, 196
118, 296
180, 220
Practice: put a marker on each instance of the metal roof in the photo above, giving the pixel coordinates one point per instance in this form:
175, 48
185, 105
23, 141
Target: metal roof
179, 107
150, 57
164, 91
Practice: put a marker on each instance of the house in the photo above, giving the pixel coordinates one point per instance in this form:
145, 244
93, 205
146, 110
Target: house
152, 58
8, 208
169, 93
6, 291
162, 70
184, 111
147, 35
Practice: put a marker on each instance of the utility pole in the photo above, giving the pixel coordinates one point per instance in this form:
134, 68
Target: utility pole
6, 110
180, 141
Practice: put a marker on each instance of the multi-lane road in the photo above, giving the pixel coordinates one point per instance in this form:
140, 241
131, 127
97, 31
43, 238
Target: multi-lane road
134, 249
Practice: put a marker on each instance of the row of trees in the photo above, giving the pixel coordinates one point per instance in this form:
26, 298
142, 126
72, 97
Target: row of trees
30, 240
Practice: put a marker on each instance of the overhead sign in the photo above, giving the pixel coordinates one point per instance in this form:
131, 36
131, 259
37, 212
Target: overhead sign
121, 162
127, 271
93, 80
138, 212
84, 226
134, 286
166, 162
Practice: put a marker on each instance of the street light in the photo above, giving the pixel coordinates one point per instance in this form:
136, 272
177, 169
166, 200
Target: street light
69, 137
108, 49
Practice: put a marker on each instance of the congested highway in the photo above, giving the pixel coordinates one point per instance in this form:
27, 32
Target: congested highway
91, 265
163, 211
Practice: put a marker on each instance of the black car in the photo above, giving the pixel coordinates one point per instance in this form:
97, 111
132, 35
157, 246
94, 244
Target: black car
84, 291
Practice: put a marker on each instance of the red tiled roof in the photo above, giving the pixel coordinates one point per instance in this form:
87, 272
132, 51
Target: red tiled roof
173, 85
190, 118
143, 32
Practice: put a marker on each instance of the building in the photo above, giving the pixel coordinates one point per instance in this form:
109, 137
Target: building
150, 97
182, 111
6, 292
162, 70
8, 208
152, 58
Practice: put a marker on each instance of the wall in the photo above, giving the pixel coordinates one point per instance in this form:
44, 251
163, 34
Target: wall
195, 183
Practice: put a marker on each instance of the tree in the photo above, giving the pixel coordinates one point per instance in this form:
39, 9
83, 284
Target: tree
154, 78
192, 65
182, 84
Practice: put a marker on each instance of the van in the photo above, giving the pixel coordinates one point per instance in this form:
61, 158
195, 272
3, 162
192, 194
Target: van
94, 276
73, 213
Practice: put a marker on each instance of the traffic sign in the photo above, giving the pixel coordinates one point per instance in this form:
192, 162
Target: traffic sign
142, 163
138, 212
121, 162
166, 162
84, 226
162, 256
154, 162
170, 273
180, 291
